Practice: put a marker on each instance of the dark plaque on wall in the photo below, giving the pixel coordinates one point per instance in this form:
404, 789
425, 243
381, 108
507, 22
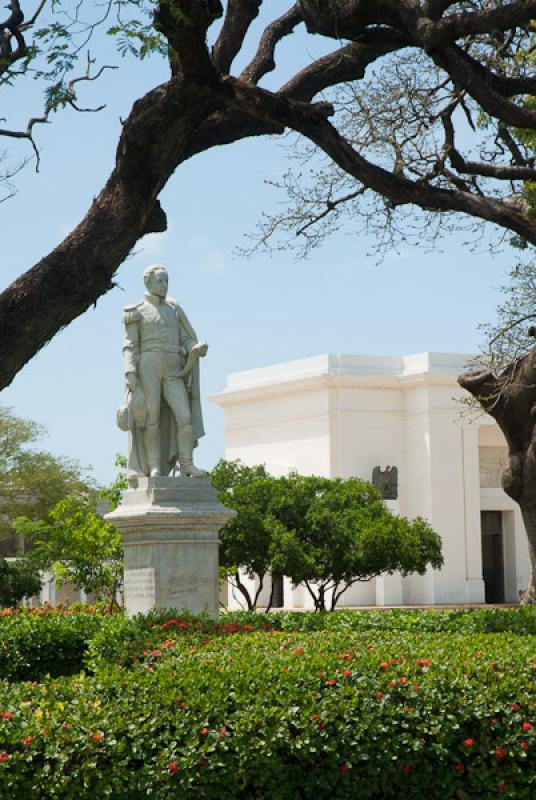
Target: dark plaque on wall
386, 480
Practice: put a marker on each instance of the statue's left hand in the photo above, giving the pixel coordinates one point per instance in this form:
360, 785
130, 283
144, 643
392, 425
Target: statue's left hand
200, 349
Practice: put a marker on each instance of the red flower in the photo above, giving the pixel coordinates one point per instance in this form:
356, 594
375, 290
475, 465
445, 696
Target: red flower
3, 757
321, 726
7, 714
223, 732
469, 742
68, 726
28, 740
44, 731
516, 707
204, 731
384, 665
331, 682
416, 686
298, 651
173, 768
347, 672
392, 683
460, 768
526, 726
403, 681
494, 721
97, 737
168, 644
407, 768
379, 694
500, 752
343, 767
524, 745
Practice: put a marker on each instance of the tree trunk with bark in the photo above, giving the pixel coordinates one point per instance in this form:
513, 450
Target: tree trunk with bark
510, 398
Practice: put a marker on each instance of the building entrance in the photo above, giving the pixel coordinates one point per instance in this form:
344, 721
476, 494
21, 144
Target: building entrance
492, 556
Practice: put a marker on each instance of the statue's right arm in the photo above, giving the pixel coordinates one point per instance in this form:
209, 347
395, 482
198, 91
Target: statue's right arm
131, 345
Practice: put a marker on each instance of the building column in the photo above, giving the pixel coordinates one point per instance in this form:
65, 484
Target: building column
473, 532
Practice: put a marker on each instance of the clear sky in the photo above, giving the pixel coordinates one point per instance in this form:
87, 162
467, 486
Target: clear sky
251, 312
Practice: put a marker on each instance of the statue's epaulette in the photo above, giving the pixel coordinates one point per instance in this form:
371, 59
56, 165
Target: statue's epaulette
173, 303
132, 313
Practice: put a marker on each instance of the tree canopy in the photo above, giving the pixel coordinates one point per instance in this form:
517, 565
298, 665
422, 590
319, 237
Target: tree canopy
32, 481
324, 533
421, 103
76, 544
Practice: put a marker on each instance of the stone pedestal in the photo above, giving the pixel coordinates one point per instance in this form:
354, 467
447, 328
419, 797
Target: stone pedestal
170, 533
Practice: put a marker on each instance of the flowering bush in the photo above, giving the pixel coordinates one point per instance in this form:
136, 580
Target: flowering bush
234, 711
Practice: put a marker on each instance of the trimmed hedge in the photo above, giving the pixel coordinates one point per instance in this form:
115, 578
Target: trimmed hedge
46, 641
233, 712
82, 636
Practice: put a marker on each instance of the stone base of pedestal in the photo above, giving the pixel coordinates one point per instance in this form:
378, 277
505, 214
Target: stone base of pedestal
170, 534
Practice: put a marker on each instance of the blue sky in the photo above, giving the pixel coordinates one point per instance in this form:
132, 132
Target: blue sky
252, 312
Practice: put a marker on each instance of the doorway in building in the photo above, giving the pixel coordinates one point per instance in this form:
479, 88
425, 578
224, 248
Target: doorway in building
277, 591
492, 556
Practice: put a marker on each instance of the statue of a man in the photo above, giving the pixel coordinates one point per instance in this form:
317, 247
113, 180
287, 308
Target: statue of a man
163, 408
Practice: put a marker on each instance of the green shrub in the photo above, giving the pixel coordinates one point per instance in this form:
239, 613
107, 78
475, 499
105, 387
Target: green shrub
33, 645
281, 715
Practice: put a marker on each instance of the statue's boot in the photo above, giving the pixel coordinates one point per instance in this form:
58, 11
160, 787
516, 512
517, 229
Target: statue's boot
185, 436
152, 445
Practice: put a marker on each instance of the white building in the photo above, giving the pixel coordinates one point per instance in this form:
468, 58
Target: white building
343, 415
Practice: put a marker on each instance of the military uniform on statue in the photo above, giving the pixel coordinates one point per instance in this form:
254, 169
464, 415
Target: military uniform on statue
163, 408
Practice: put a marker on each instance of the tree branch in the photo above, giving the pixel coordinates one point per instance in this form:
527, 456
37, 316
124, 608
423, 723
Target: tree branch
184, 23
11, 29
472, 23
464, 73
239, 15
513, 172
397, 188
346, 64
263, 61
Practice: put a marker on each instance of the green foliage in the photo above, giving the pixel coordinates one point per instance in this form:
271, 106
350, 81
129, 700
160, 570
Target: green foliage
325, 533
246, 540
45, 642
292, 715
76, 544
18, 579
31, 481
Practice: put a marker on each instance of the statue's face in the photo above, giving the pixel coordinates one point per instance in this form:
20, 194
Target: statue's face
157, 283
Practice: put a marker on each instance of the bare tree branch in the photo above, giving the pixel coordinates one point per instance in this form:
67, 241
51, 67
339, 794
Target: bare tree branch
263, 61
239, 15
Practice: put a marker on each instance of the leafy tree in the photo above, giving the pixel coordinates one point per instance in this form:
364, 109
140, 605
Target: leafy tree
336, 532
324, 533
246, 538
77, 545
18, 579
31, 481
434, 93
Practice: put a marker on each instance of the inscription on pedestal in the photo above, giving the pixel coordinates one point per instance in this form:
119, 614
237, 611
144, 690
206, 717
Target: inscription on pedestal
140, 594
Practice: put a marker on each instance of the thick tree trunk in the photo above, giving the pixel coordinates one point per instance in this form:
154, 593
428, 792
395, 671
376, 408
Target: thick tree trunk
510, 398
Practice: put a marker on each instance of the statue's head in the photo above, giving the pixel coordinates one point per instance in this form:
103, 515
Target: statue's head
155, 278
